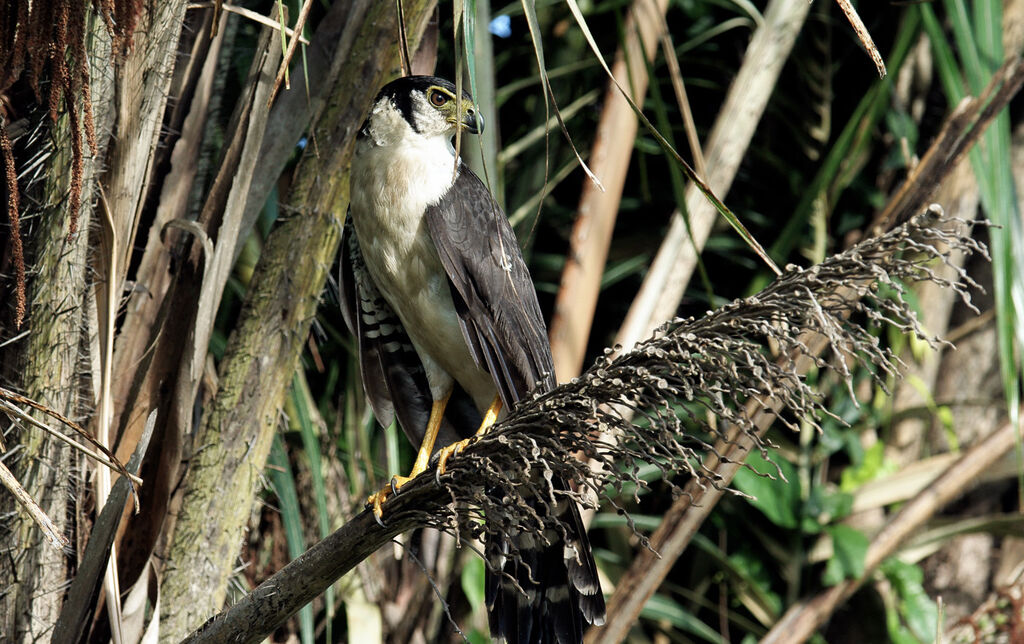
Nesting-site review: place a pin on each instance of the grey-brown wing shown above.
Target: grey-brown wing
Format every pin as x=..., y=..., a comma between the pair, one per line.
x=491, y=286
x=502, y=324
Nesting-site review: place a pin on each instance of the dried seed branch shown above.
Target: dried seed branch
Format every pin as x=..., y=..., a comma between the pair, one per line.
x=111, y=460
x=719, y=363
x=53, y=536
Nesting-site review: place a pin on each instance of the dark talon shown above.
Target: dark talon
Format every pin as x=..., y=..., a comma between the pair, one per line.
x=394, y=489
x=380, y=521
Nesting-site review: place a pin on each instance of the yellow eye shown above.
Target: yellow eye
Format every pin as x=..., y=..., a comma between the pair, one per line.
x=437, y=99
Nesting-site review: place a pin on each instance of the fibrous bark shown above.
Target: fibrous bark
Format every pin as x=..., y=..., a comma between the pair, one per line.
x=54, y=371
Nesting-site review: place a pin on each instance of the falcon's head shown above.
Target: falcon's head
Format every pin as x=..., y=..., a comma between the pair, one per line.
x=420, y=105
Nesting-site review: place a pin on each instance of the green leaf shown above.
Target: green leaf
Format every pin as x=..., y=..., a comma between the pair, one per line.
x=827, y=504
x=472, y=580
x=916, y=609
x=779, y=500
x=659, y=607
x=476, y=636
x=753, y=569
x=646, y=522
x=283, y=482
x=302, y=404
x=849, y=547
x=872, y=467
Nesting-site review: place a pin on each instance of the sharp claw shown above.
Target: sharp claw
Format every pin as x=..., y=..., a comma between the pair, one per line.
x=394, y=486
x=375, y=501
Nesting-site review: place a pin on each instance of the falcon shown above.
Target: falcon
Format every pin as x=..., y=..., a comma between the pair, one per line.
x=450, y=334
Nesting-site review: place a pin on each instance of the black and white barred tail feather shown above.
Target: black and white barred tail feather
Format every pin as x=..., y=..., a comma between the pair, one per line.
x=555, y=594
x=392, y=374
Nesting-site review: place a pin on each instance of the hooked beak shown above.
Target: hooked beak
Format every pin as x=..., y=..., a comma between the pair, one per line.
x=472, y=120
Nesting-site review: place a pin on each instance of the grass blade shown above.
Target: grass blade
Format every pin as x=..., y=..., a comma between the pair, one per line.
x=281, y=478
x=727, y=214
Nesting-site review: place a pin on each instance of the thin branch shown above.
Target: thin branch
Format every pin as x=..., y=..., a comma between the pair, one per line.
x=863, y=35
x=292, y=46
x=11, y=410
x=961, y=130
x=251, y=15
x=10, y=482
x=8, y=396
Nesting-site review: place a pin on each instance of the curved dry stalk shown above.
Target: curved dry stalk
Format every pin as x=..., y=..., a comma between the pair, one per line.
x=104, y=457
x=863, y=35
x=251, y=15
x=282, y=72
x=53, y=536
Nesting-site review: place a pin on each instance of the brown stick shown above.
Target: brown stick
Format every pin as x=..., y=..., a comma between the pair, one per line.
x=596, y=214
x=863, y=35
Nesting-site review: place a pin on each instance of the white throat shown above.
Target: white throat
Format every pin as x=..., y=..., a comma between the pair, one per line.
x=413, y=170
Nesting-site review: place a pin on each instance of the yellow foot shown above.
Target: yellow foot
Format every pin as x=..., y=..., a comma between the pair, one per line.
x=448, y=451
x=377, y=500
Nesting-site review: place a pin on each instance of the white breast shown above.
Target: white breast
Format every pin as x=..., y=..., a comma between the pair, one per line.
x=401, y=257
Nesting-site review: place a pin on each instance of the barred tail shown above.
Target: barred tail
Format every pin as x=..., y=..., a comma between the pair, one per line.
x=562, y=592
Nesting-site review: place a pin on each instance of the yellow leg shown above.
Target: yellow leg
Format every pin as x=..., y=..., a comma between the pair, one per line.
x=422, y=457
x=455, y=448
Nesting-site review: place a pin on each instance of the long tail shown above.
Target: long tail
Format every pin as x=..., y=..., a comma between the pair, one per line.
x=563, y=594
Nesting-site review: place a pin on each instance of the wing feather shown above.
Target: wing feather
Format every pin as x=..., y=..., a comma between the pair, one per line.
x=491, y=286
x=503, y=327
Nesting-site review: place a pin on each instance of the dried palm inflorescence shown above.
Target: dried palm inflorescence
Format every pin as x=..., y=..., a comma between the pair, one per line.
x=670, y=398
x=666, y=403
x=46, y=41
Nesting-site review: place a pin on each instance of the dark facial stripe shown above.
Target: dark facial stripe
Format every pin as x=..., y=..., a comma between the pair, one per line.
x=401, y=90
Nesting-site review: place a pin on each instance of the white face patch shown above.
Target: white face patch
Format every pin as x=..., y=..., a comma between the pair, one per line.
x=387, y=126
x=429, y=120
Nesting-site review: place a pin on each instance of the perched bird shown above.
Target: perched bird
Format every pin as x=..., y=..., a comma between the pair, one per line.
x=450, y=334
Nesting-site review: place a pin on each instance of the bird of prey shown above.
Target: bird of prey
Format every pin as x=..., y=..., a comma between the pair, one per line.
x=450, y=334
